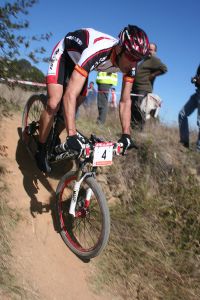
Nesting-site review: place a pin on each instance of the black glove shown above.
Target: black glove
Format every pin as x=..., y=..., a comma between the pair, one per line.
x=127, y=142
x=74, y=142
x=82, y=138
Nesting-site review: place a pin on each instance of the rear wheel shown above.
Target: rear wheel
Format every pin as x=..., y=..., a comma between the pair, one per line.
x=87, y=233
x=30, y=121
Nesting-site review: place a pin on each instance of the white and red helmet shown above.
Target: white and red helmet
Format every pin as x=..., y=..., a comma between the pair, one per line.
x=135, y=41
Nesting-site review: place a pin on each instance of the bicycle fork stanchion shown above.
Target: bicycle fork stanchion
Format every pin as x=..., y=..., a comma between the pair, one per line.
x=89, y=194
x=76, y=192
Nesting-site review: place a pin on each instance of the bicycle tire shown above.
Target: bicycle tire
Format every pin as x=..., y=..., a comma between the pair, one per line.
x=30, y=121
x=87, y=234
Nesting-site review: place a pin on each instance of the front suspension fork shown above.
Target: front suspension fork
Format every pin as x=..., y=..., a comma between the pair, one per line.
x=76, y=189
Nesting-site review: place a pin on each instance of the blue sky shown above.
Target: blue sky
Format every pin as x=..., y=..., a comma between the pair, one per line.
x=173, y=25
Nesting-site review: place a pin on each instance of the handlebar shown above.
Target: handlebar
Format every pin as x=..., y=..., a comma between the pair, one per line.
x=95, y=141
x=89, y=148
x=88, y=152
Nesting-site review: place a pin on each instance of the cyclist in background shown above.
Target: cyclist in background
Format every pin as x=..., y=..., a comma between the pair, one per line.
x=73, y=58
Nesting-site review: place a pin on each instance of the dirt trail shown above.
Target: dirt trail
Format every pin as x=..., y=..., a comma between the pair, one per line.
x=46, y=267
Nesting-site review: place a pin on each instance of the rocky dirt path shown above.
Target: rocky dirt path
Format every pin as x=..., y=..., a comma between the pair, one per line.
x=44, y=265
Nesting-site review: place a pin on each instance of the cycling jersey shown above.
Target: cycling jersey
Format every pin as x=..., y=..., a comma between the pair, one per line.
x=84, y=50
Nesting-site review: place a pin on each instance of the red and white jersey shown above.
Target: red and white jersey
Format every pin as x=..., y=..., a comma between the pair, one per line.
x=91, y=50
x=88, y=49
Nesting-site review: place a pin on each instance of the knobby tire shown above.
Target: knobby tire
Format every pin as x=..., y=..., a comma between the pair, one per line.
x=87, y=234
x=30, y=121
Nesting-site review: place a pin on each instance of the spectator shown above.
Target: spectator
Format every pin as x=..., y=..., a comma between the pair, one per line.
x=192, y=104
x=146, y=73
x=113, y=99
x=104, y=82
x=91, y=96
x=89, y=100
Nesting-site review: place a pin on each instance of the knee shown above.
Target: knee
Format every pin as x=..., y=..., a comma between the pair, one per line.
x=52, y=106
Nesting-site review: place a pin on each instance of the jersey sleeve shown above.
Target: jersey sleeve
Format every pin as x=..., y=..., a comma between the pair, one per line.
x=92, y=57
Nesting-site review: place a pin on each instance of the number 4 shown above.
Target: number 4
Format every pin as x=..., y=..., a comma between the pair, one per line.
x=104, y=155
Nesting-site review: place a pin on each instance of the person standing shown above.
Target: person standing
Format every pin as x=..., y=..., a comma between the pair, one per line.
x=89, y=100
x=91, y=96
x=113, y=98
x=192, y=104
x=146, y=73
x=104, y=82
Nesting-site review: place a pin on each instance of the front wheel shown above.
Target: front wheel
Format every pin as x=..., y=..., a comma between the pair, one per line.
x=86, y=233
x=30, y=121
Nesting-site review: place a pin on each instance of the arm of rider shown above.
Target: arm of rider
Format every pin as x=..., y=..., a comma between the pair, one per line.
x=125, y=117
x=125, y=107
x=70, y=97
x=70, y=101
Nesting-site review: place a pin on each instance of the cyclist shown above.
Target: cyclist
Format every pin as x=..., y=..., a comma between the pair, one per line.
x=72, y=59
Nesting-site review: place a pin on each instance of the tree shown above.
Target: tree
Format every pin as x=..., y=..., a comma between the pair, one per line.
x=10, y=26
x=23, y=70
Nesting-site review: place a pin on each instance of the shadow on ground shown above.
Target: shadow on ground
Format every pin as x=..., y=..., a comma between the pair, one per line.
x=32, y=175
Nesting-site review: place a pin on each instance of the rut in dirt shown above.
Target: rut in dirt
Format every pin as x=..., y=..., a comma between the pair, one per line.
x=45, y=268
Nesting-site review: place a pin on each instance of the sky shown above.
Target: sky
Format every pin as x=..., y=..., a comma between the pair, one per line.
x=174, y=25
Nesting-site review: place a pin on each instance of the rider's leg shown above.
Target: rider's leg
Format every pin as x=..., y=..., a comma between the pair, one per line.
x=54, y=97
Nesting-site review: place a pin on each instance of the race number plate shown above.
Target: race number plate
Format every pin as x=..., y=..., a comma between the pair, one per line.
x=103, y=154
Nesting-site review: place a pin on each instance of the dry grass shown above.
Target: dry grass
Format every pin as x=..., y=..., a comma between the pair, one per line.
x=8, y=220
x=86, y=123
x=154, y=247
x=7, y=107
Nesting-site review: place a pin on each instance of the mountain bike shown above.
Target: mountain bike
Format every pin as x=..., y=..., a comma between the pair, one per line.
x=81, y=208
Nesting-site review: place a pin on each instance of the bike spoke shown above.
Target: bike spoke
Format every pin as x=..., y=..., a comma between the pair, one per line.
x=85, y=230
